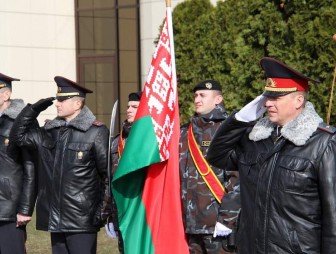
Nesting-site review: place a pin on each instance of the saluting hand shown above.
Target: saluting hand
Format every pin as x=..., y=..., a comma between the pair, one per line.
x=253, y=110
x=42, y=104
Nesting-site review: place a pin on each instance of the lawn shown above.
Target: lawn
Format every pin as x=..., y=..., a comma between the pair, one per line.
x=38, y=242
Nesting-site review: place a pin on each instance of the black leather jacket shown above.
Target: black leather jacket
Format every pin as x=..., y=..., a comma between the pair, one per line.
x=72, y=168
x=17, y=172
x=288, y=185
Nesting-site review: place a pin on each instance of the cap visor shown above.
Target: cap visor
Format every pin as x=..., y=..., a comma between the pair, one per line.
x=63, y=98
x=275, y=94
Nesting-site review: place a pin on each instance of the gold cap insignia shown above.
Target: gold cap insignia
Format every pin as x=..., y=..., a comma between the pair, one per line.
x=208, y=85
x=59, y=89
x=270, y=83
x=6, y=141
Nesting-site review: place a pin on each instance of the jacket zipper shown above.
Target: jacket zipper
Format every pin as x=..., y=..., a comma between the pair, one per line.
x=268, y=201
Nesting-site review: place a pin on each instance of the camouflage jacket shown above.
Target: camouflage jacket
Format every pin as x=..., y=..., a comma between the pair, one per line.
x=200, y=208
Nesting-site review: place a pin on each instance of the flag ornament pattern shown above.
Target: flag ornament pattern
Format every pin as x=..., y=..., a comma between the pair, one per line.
x=161, y=95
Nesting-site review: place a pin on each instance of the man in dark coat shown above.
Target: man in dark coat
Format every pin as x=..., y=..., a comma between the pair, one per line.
x=72, y=163
x=286, y=164
x=109, y=211
x=17, y=176
x=200, y=205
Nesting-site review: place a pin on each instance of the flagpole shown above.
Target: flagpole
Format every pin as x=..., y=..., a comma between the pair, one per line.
x=171, y=41
x=332, y=90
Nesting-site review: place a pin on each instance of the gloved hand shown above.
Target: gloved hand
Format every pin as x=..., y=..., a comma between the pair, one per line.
x=253, y=110
x=109, y=229
x=42, y=104
x=221, y=230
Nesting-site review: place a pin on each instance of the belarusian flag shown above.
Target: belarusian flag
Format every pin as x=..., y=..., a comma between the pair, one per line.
x=146, y=185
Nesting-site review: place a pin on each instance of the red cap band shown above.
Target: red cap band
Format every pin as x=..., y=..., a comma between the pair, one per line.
x=286, y=85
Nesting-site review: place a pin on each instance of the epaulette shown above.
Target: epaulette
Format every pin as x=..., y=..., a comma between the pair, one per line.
x=98, y=123
x=327, y=128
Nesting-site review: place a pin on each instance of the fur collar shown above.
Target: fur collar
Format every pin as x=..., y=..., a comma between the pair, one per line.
x=82, y=122
x=15, y=107
x=298, y=131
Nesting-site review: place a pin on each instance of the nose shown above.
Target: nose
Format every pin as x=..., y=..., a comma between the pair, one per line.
x=197, y=99
x=268, y=102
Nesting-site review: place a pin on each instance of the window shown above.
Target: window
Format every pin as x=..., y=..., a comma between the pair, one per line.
x=108, y=53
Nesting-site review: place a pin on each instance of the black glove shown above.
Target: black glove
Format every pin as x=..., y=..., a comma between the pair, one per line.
x=42, y=104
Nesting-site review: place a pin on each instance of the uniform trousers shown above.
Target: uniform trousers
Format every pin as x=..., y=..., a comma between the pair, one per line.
x=74, y=243
x=207, y=244
x=12, y=239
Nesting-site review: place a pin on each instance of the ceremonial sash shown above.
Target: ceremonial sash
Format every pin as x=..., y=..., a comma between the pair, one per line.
x=204, y=168
x=121, y=145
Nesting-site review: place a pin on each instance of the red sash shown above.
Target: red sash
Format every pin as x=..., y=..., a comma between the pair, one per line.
x=204, y=168
x=121, y=145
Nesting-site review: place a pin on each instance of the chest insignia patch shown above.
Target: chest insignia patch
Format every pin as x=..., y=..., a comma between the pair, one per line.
x=205, y=143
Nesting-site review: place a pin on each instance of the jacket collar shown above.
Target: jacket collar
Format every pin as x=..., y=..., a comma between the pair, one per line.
x=297, y=131
x=15, y=107
x=82, y=121
x=126, y=127
x=217, y=114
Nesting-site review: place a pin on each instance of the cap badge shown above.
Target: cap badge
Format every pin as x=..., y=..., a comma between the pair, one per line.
x=6, y=141
x=208, y=85
x=59, y=89
x=270, y=83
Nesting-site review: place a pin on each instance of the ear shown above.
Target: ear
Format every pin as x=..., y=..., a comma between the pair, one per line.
x=77, y=104
x=218, y=99
x=7, y=94
x=299, y=101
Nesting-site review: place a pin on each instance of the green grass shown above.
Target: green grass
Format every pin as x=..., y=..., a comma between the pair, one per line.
x=38, y=242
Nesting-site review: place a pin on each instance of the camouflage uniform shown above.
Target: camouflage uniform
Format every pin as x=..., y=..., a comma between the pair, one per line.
x=200, y=208
x=109, y=211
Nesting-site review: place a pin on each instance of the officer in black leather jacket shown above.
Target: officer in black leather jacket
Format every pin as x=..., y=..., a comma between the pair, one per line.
x=17, y=176
x=72, y=164
x=286, y=164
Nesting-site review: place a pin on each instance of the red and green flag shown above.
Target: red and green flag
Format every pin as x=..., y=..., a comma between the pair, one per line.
x=146, y=185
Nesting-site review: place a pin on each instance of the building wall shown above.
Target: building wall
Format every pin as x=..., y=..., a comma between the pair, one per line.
x=37, y=43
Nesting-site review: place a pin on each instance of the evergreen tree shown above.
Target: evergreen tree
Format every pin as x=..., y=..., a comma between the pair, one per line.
x=226, y=43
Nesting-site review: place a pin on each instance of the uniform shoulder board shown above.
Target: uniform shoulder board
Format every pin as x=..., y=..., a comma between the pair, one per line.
x=98, y=123
x=327, y=128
